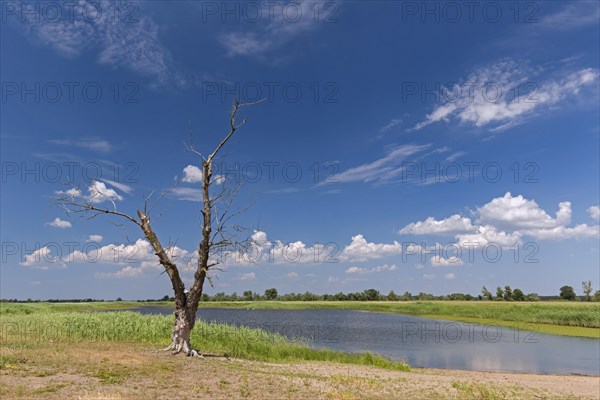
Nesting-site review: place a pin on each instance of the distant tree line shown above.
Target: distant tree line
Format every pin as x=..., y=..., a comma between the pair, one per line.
x=507, y=294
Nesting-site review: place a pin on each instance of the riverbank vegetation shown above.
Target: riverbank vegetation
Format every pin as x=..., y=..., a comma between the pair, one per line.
x=41, y=323
x=562, y=318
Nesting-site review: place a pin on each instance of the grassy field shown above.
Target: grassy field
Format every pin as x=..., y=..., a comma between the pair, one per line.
x=560, y=318
x=59, y=350
x=125, y=326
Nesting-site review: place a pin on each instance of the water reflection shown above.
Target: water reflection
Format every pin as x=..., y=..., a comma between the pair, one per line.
x=421, y=342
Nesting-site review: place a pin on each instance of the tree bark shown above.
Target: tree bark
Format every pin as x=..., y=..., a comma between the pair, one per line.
x=182, y=330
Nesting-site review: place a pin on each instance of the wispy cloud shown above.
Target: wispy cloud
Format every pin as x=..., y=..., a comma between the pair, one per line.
x=394, y=122
x=189, y=194
x=505, y=94
x=285, y=24
x=98, y=145
x=574, y=15
x=121, y=186
x=130, y=43
x=382, y=169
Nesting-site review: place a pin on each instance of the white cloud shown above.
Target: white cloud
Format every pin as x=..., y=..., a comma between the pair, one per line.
x=361, y=250
x=98, y=193
x=574, y=15
x=453, y=224
x=127, y=272
x=487, y=234
x=594, y=212
x=439, y=261
x=40, y=259
x=286, y=21
x=59, y=223
x=135, y=258
x=192, y=174
x=581, y=231
x=121, y=186
x=245, y=43
x=382, y=169
x=454, y=156
x=380, y=268
x=95, y=238
x=487, y=96
x=188, y=194
x=385, y=267
x=250, y=276
x=293, y=275
x=449, y=276
x=419, y=266
x=504, y=221
x=519, y=213
x=394, y=122
x=429, y=276
x=131, y=44
x=357, y=270
x=99, y=145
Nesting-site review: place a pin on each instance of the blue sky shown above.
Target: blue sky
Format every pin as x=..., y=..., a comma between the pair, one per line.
x=435, y=150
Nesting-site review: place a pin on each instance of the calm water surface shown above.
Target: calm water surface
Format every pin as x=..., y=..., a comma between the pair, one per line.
x=421, y=342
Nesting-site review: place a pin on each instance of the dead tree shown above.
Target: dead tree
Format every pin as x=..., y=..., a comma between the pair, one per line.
x=216, y=238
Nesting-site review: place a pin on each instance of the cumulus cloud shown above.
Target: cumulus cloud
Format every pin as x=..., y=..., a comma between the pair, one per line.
x=380, y=268
x=134, y=258
x=41, y=259
x=516, y=212
x=505, y=93
x=450, y=225
x=95, y=238
x=357, y=270
x=429, y=276
x=59, y=223
x=361, y=250
x=449, y=276
x=487, y=234
x=192, y=174
x=504, y=221
x=98, y=192
x=439, y=261
x=594, y=212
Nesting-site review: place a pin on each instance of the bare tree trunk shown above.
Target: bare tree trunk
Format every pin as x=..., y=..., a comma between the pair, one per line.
x=186, y=303
x=182, y=331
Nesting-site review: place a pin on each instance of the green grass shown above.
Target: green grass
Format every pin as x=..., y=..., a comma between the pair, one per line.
x=553, y=317
x=562, y=318
x=239, y=342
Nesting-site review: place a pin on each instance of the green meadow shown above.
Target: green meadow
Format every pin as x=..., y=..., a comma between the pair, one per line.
x=555, y=317
x=47, y=323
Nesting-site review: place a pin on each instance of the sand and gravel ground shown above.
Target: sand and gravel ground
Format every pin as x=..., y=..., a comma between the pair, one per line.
x=131, y=371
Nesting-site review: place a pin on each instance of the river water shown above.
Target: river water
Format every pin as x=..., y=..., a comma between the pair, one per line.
x=421, y=342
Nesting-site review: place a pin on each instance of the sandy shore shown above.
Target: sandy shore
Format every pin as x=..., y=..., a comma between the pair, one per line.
x=125, y=371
